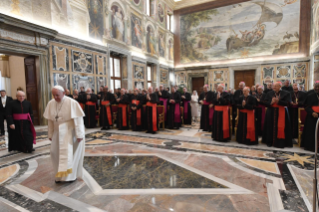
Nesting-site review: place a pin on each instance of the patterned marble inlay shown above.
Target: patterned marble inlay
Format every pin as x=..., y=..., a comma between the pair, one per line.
x=143, y=172
x=7, y=172
x=259, y=164
x=138, y=139
x=224, y=149
x=99, y=141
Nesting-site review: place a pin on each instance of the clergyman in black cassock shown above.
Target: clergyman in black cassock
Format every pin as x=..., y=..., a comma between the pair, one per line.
x=238, y=93
x=221, y=130
x=136, y=110
x=287, y=86
x=122, y=111
x=20, y=121
x=151, y=111
x=90, y=101
x=277, y=128
x=205, y=99
x=163, y=96
x=297, y=100
x=268, y=88
x=312, y=108
x=106, y=114
x=260, y=110
x=246, y=128
x=174, y=113
x=5, y=100
x=185, y=103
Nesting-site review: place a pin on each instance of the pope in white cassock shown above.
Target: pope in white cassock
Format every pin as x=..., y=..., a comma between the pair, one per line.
x=67, y=133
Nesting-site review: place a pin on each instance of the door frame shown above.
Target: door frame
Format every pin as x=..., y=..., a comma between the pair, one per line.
x=196, y=75
x=232, y=70
x=39, y=49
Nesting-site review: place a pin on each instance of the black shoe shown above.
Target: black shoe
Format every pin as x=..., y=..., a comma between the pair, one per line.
x=58, y=182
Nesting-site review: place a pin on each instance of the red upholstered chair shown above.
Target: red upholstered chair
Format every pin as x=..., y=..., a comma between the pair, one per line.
x=114, y=111
x=231, y=119
x=161, y=115
x=301, y=122
x=129, y=112
x=182, y=114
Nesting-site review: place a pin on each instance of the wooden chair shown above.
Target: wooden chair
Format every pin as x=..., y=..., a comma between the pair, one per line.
x=114, y=111
x=301, y=123
x=161, y=115
x=182, y=113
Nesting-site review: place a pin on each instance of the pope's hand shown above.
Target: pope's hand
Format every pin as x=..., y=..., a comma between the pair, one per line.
x=12, y=126
x=50, y=139
x=315, y=115
x=80, y=139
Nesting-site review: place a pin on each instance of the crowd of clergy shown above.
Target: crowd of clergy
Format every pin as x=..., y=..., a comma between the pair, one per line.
x=250, y=113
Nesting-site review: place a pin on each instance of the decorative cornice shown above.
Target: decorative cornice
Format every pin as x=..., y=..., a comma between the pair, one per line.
x=81, y=43
x=188, y=3
x=7, y=22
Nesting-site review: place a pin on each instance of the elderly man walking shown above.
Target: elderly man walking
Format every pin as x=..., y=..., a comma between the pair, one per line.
x=66, y=131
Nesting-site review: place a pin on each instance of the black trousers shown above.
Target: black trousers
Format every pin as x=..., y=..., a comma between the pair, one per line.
x=2, y=118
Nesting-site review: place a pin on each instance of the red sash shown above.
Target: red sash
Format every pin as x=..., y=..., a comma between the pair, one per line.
x=82, y=105
x=281, y=120
x=165, y=105
x=26, y=116
x=224, y=109
x=108, y=111
x=138, y=112
x=210, y=113
x=123, y=107
x=186, y=109
x=250, y=124
x=154, y=114
x=89, y=103
x=315, y=109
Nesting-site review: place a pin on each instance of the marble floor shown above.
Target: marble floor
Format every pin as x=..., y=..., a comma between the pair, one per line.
x=181, y=170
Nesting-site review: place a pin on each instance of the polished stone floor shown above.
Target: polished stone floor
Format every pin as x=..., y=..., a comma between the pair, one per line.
x=182, y=170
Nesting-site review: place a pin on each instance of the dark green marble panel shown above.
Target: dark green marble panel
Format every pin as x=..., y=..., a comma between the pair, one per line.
x=143, y=172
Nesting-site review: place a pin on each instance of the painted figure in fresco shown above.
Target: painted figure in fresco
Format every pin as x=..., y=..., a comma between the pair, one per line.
x=150, y=40
x=137, y=1
x=171, y=49
x=137, y=35
x=161, y=44
x=117, y=23
x=160, y=13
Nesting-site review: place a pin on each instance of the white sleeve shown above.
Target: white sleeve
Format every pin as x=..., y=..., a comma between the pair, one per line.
x=50, y=128
x=79, y=127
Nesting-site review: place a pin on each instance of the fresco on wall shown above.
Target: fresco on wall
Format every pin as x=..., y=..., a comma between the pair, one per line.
x=315, y=23
x=138, y=72
x=60, y=58
x=138, y=4
x=150, y=40
x=95, y=8
x=170, y=49
x=249, y=29
x=283, y=71
x=101, y=81
x=161, y=14
x=164, y=76
x=62, y=80
x=100, y=65
x=79, y=81
x=82, y=62
x=161, y=43
x=117, y=23
x=300, y=70
x=139, y=84
x=136, y=31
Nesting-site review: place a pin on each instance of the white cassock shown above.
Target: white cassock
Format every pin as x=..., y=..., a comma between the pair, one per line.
x=65, y=125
